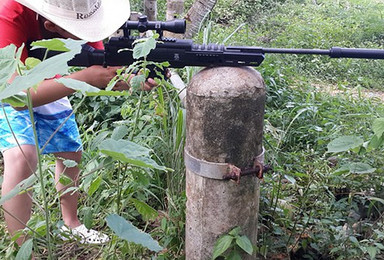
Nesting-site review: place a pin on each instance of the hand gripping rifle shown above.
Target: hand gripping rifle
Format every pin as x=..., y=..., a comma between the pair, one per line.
x=181, y=52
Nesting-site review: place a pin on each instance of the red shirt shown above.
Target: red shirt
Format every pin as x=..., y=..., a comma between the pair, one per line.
x=19, y=25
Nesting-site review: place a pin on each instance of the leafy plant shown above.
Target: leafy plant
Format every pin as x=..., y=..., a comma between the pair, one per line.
x=233, y=245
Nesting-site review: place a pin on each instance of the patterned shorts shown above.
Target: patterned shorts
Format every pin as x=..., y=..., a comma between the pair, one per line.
x=56, y=132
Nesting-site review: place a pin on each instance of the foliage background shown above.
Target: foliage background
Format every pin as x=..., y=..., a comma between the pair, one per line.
x=314, y=205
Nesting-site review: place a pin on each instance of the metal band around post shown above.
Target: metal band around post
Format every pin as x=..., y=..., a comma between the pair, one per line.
x=210, y=169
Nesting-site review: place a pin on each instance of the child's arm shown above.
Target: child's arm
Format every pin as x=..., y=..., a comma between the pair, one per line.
x=98, y=76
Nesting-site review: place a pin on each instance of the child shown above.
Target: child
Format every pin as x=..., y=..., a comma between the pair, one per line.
x=24, y=21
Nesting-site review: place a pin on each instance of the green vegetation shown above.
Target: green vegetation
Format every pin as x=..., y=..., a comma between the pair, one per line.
x=323, y=138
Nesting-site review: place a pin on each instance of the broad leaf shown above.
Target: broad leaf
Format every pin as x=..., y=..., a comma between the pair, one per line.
x=342, y=170
x=70, y=163
x=129, y=152
x=9, y=59
x=94, y=186
x=25, y=250
x=361, y=168
x=119, y=132
x=372, y=251
x=65, y=180
x=51, y=44
x=375, y=142
x=234, y=255
x=235, y=232
x=222, y=244
x=125, y=230
x=244, y=243
x=20, y=187
x=137, y=81
x=344, y=143
x=146, y=211
x=353, y=240
x=44, y=70
x=31, y=62
x=143, y=47
x=378, y=127
x=358, y=168
x=18, y=100
x=81, y=86
x=88, y=217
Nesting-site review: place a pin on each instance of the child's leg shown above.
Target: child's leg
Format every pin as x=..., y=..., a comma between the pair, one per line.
x=18, y=167
x=69, y=200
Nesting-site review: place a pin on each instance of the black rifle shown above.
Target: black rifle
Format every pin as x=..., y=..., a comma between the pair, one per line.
x=180, y=52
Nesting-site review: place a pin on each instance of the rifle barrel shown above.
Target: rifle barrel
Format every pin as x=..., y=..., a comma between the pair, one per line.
x=334, y=52
x=295, y=51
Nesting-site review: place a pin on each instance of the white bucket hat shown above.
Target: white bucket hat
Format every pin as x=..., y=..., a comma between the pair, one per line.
x=90, y=20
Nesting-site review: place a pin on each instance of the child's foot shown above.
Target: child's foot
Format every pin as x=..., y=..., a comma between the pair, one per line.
x=83, y=235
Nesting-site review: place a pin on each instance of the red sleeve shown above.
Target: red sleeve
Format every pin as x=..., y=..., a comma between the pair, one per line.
x=97, y=45
x=18, y=25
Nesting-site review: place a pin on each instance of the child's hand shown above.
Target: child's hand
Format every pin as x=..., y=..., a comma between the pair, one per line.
x=99, y=77
x=148, y=85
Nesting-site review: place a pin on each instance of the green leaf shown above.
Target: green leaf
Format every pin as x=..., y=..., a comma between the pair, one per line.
x=119, y=132
x=340, y=171
x=31, y=62
x=88, y=217
x=129, y=152
x=235, y=232
x=234, y=255
x=353, y=240
x=378, y=127
x=379, y=246
x=9, y=59
x=377, y=199
x=244, y=243
x=137, y=81
x=78, y=85
x=361, y=168
x=143, y=47
x=344, y=143
x=25, y=250
x=290, y=179
x=65, y=180
x=45, y=70
x=146, y=211
x=372, y=251
x=70, y=163
x=221, y=245
x=375, y=142
x=125, y=230
x=20, y=187
x=51, y=44
x=18, y=100
x=109, y=93
x=94, y=185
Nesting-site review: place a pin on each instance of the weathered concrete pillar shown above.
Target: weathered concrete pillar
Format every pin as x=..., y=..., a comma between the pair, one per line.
x=225, y=112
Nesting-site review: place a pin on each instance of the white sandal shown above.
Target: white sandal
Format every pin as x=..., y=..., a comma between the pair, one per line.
x=83, y=235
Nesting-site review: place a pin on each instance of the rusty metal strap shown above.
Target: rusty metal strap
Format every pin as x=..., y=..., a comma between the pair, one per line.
x=210, y=169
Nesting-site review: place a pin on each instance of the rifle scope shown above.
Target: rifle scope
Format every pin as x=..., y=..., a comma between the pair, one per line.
x=142, y=25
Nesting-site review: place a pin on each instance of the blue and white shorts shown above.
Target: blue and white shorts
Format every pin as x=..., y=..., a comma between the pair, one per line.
x=54, y=124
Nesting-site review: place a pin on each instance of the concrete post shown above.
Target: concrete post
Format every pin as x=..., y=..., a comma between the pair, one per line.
x=225, y=111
